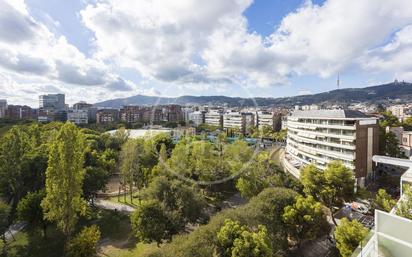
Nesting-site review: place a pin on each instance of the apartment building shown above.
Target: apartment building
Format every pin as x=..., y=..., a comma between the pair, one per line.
x=78, y=116
x=238, y=120
x=107, y=115
x=320, y=136
x=264, y=118
x=214, y=118
x=20, y=112
x=3, y=108
x=131, y=114
x=197, y=117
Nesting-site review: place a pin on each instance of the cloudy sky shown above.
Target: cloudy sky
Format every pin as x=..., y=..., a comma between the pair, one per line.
x=96, y=50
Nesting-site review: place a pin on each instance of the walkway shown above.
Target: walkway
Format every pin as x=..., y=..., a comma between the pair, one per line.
x=108, y=205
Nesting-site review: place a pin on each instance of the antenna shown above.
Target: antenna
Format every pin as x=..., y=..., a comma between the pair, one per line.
x=338, y=81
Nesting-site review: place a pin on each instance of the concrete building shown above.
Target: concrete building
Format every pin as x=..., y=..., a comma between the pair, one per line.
x=20, y=112
x=214, y=118
x=197, y=117
x=391, y=235
x=3, y=108
x=107, y=116
x=52, y=107
x=78, y=116
x=320, y=136
x=264, y=118
x=131, y=114
x=52, y=101
x=82, y=106
x=239, y=120
x=172, y=113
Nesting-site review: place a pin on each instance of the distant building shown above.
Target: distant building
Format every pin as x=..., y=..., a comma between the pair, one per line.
x=3, y=107
x=78, y=116
x=20, y=112
x=399, y=111
x=197, y=117
x=214, y=118
x=320, y=136
x=239, y=120
x=172, y=113
x=265, y=119
x=52, y=107
x=107, y=116
x=82, y=106
x=52, y=101
x=131, y=114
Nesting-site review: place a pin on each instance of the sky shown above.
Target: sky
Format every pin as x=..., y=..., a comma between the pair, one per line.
x=95, y=50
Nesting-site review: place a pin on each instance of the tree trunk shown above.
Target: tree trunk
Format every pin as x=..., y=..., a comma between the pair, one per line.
x=44, y=230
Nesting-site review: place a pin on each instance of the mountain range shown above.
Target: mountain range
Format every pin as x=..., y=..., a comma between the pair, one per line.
x=400, y=91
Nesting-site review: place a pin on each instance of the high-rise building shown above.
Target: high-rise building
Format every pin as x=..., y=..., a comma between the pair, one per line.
x=320, y=136
x=3, y=107
x=52, y=107
x=52, y=101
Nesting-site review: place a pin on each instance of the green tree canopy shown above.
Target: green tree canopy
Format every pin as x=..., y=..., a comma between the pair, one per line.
x=383, y=201
x=306, y=219
x=150, y=223
x=235, y=240
x=348, y=235
x=404, y=208
x=64, y=179
x=85, y=243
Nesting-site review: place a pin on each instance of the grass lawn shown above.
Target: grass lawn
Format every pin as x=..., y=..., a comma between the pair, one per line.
x=31, y=243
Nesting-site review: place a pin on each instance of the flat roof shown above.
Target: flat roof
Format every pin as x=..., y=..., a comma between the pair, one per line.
x=331, y=114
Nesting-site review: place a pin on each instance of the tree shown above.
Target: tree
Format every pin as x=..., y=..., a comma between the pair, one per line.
x=85, y=243
x=14, y=146
x=29, y=210
x=4, y=225
x=332, y=186
x=180, y=202
x=131, y=169
x=235, y=240
x=390, y=145
x=404, y=208
x=348, y=235
x=63, y=203
x=150, y=223
x=259, y=173
x=312, y=179
x=306, y=219
x=383, y=201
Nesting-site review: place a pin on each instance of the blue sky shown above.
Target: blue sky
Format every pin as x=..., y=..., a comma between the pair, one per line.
x=96, y=50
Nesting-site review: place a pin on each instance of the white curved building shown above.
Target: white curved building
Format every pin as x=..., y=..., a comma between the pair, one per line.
x=321, y=136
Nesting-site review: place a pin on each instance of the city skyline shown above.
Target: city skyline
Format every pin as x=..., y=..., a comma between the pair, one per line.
x=107, y=49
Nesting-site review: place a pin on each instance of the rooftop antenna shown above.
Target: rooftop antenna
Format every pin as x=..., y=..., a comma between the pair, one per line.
x=338, y=81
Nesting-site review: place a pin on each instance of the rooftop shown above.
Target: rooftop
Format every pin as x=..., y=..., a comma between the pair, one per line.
x=328, y=114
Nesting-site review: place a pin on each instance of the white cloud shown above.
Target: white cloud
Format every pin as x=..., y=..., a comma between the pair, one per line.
x=29, y=48
x=209, y=42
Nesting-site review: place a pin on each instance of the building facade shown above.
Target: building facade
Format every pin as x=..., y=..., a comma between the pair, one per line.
x=320, y=136
x=214, y=118
x=265, y=119
x=78, y=116
x=107, y=116
x=238, y=120
x=197, y=117
x=3, y=108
